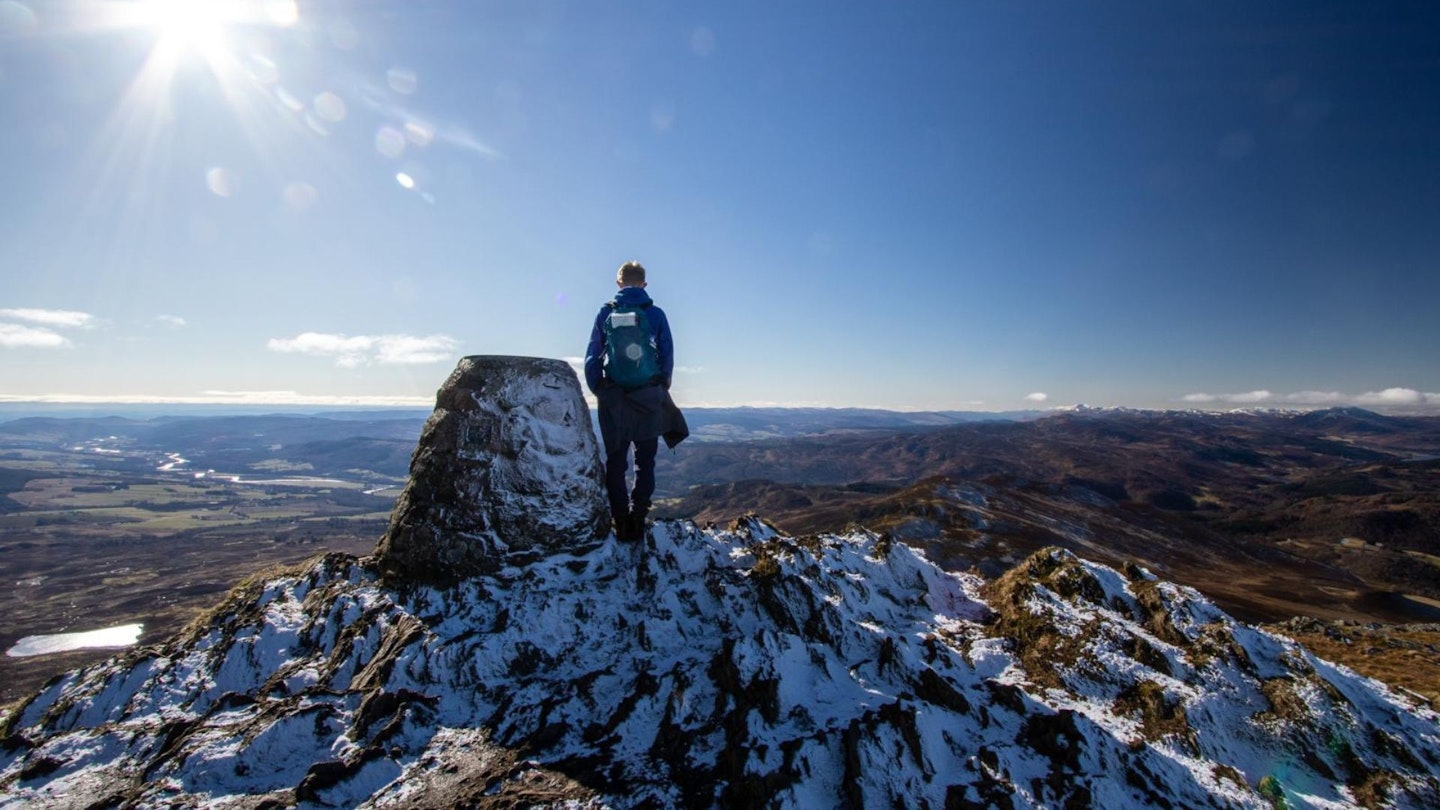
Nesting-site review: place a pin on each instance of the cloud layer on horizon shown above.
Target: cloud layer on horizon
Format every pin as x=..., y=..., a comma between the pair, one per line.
x=1392, y=397
x=363, y=350
x=217, y=397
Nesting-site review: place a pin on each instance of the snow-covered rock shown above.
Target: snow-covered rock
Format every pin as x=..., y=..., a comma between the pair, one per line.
x=507, y=467
x=722, y=668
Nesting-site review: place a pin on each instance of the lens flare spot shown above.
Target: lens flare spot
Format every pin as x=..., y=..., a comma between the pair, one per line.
x=330, y=107
x=288, y=100
x=405, y=180
x=300, y=196
x=419, y=133
x=390, y=142
x=263, y=69
x=402, y=80
x=220, y=182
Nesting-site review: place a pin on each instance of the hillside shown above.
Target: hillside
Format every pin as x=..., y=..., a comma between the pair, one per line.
x=1332, y=514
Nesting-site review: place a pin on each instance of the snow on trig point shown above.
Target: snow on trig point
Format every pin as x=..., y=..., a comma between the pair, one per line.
x=507, y=469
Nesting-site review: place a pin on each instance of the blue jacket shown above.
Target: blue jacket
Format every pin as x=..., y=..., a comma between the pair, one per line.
x=659, y=329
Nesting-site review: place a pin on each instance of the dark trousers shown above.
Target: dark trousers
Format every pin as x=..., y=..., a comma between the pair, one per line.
x=616, y=466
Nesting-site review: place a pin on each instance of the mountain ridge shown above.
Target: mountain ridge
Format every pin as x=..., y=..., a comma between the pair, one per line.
x=720, y=668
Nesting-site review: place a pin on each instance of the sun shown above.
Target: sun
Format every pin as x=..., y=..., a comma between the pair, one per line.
x=199, y=62
x=203, y=27
x=190, y=26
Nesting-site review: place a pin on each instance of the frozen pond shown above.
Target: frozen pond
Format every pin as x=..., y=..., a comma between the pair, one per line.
x=110, y=637
x=288, y=481
x=176, y=462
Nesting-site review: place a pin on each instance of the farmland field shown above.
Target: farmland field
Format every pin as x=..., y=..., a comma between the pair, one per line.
x=84, y=547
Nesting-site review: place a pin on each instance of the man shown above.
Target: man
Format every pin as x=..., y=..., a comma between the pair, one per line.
x=628, y=367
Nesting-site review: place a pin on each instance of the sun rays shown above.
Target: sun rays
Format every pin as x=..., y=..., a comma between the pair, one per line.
x=199, y=28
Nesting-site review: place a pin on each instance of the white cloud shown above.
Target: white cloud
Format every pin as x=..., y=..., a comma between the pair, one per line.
x=361, y=350
x=1038, y=396
x=1395, y=396
x=59, y=318
x=172, y=321
x=407, y=349
x=1392, y=397
x=15, y=336
x=1246, y=398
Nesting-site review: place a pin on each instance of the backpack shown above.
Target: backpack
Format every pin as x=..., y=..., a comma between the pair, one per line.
x=631, y=357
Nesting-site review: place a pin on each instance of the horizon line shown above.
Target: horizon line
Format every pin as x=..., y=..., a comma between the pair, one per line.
x=288, y=399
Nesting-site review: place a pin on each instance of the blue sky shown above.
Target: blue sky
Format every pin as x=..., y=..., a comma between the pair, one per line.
x=937, y=205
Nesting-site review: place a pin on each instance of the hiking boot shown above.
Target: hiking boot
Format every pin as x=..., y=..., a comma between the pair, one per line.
x=636, y=524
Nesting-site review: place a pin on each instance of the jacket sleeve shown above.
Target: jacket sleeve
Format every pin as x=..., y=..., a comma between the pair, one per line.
x=595, y=354
x=665, y=347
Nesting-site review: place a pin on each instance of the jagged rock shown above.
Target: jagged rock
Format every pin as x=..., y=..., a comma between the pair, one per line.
x=507, y=469
x=736, y=668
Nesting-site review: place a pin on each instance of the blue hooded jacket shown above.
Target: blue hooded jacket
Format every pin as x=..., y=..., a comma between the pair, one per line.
x=659, y=329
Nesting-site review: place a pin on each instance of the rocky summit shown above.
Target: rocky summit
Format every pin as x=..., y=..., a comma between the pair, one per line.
x=704, y=667
x=506, y=465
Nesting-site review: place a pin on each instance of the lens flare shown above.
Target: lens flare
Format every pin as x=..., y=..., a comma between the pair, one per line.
x=402, y=80
x=220, y=182
x=330, y=107
x=301, y=196
x=390, y=142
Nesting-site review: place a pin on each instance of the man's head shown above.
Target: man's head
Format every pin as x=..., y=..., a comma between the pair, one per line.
x=631, y=274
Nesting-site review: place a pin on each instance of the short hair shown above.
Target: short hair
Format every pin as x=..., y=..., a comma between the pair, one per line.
x=631, y=274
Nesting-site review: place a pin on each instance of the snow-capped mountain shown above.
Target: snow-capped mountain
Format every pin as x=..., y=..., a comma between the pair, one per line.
x=701, y=668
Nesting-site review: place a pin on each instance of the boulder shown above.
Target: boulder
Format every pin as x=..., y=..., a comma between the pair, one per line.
x=507, y=469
